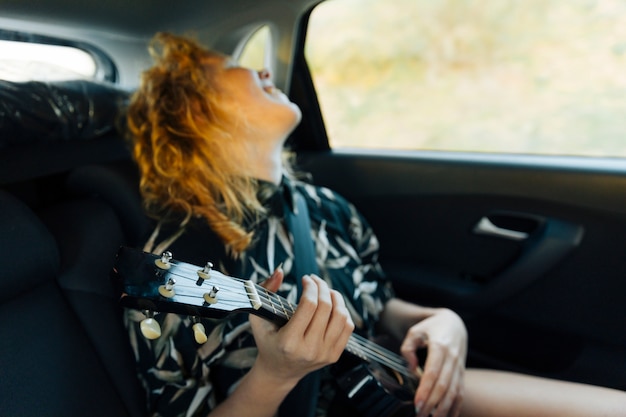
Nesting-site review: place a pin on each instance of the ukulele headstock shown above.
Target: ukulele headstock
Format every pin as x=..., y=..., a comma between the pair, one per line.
x=158, y=283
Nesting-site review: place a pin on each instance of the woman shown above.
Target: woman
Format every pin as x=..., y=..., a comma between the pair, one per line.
x=208, y=137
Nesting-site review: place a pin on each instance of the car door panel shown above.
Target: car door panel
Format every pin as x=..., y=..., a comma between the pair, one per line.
x=527, y=249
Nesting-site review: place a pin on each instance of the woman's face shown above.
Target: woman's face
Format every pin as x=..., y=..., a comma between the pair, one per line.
x=252, y=94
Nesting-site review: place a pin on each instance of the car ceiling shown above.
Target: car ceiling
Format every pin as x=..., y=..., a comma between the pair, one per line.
x=122, y=28
x=139, y=18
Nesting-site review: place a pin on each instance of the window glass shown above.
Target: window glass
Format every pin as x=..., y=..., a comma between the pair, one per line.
x=254, y=51
x=519, y=76
x=24, y=61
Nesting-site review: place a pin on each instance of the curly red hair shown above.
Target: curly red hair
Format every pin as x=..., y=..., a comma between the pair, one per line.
x=181, y=142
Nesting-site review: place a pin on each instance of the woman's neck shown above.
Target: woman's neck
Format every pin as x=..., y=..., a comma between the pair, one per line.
x=266, y=160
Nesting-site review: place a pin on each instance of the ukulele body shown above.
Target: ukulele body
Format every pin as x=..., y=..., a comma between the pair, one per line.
x=369, y=389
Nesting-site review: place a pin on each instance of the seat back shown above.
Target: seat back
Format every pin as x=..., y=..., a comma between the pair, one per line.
x=63, y=351
x=63, y=347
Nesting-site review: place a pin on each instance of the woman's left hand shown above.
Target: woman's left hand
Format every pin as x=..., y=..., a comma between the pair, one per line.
x=440, y=392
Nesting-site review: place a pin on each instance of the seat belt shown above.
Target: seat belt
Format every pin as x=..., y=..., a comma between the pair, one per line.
x=302, y=400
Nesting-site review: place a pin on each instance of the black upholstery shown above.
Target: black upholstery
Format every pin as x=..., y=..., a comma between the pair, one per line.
x=28, y=247
x=88, y=243
x=48, y=127
x=63, y=350
x=117, y=184
x=63, y=347
x=72, y=110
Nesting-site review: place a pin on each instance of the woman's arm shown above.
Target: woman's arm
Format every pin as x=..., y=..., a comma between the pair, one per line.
x=258, y=395
x=441, y=331
x=398, y=317
x=314, y=337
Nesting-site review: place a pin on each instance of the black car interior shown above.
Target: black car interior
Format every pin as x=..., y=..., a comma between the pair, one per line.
x=550, y=305
x=62, y=221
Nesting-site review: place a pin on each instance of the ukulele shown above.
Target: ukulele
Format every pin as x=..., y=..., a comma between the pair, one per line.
x=375, y=381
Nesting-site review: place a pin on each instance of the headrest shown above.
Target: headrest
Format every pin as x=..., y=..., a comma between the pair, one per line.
x=29, y=251
x=48, y=128
x=37, y=111
x=118, y=185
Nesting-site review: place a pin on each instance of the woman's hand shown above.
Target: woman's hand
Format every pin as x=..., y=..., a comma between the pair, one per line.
x=440, y=392
x=314, y=337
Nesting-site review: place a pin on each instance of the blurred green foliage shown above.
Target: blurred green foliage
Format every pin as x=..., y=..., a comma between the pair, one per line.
x=520, y=76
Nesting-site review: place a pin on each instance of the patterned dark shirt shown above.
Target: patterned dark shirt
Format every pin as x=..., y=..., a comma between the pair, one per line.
x=183, y=378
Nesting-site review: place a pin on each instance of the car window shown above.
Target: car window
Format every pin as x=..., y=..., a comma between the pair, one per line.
x=254, y=52
x=514, y=76
x=47, y=61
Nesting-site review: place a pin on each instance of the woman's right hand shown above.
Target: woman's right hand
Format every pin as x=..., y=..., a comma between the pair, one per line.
x=315, y=336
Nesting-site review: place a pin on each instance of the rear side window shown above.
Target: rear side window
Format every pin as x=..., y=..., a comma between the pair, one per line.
x=35, y=58
x=510, y=76
x=255, y=52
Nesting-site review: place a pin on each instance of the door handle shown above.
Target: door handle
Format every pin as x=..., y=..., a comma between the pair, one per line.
x=486, y=227
x=545, y=241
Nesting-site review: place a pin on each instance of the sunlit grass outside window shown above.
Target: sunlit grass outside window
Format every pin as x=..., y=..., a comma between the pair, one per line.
x=514, y=76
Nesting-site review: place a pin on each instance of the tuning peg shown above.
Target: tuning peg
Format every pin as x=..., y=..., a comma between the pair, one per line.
x=211, y=297
x=167, y=290
x=199, y=333
x=164, y=261
x=204, y=273
x=150, y=328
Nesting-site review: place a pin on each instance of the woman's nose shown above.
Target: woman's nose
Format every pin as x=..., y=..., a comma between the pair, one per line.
x=265, y=74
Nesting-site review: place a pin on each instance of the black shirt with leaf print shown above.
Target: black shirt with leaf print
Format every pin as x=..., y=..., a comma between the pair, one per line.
x=184, y=378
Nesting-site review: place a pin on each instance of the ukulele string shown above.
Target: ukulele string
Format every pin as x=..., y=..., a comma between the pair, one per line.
x=193, y=288
x=233, y=285
x=229, y=293
x=227, y=285
x=357, y=344
x=381, y=355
